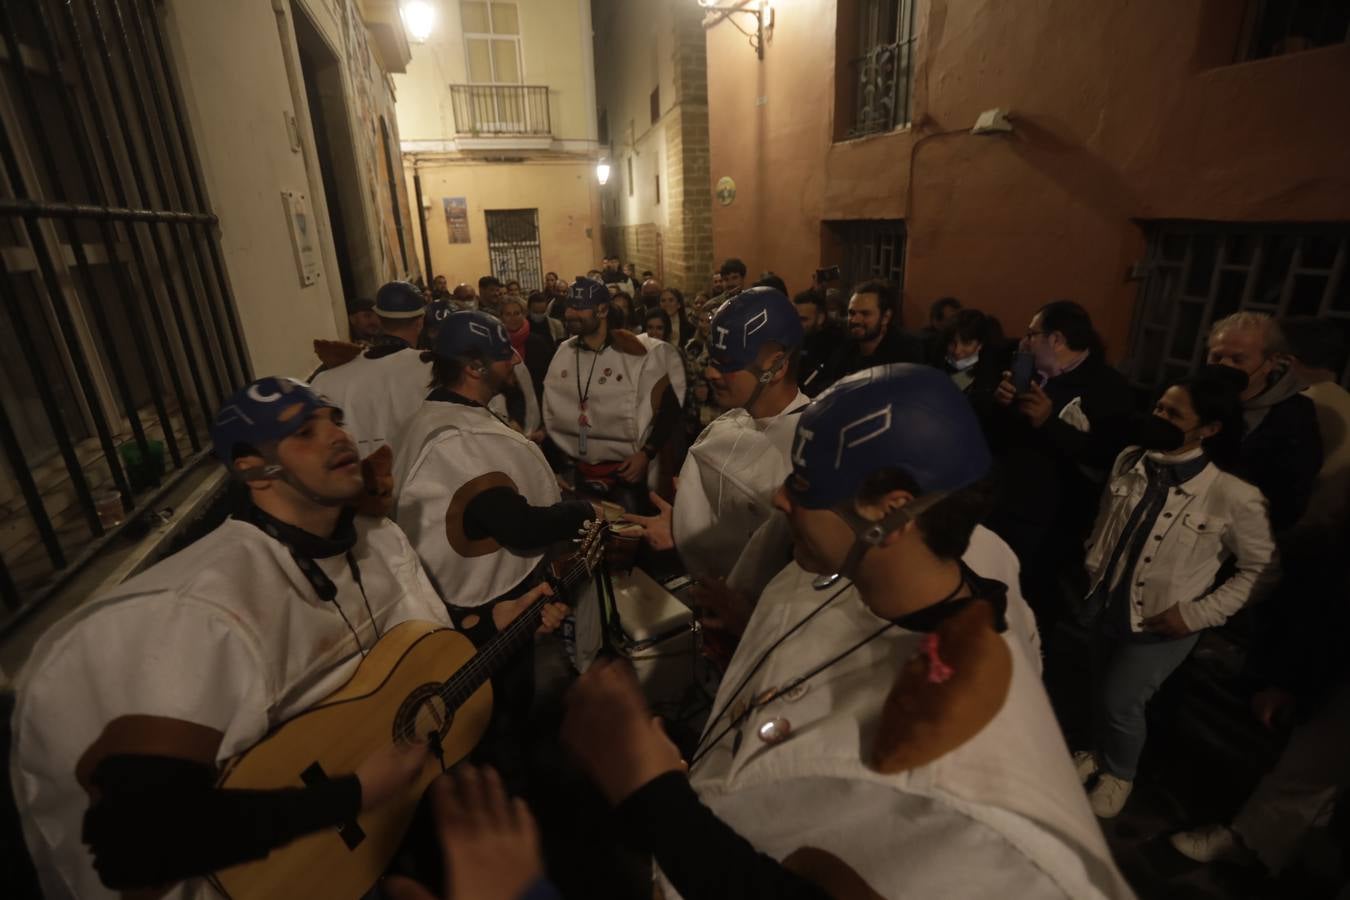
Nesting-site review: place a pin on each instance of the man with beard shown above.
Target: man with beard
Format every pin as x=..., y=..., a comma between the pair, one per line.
x=363, y=325
x=874, y=335
x=129, y=706
x=490, y=293
x=480, y=504
x=821, y=338
x=457, y=452
x=728, y=281
x=611, y=401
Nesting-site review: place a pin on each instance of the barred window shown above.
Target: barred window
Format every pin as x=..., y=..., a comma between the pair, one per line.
x=1198, y=273
x=118, y=334
x=883, y=71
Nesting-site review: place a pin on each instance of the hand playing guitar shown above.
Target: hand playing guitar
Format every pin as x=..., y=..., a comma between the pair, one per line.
x=488, y=840
x=504, y=613
x=388, y=772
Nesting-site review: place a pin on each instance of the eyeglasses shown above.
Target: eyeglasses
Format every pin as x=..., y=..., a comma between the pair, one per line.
x=1032, y=334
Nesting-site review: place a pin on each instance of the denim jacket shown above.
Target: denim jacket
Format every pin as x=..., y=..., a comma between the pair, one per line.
x=1204, y=522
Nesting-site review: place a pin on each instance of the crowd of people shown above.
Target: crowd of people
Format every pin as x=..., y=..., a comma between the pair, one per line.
x=882, y=525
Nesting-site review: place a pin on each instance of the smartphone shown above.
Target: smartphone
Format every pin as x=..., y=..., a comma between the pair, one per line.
x=830, y=274
x=1023, y=367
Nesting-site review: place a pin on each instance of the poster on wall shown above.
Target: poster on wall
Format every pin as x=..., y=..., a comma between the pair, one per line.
x=457, y=219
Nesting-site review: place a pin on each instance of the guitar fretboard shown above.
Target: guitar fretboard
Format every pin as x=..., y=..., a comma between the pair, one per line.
x=494, y=654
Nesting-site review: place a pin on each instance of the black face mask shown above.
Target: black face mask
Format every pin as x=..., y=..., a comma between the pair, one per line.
x=1153, y=433
x=1237, y=379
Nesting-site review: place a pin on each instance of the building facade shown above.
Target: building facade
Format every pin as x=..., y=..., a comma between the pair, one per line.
x=652, y=90
x=498, y=119
x=1167, y=162
x=192, y=192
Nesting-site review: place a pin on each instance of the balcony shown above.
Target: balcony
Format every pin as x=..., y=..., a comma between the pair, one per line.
x=501, y=111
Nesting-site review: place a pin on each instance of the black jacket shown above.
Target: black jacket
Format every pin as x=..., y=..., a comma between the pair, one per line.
x=1047, y=500
x=817, y=350
x=1282, y=457
x=895, y=347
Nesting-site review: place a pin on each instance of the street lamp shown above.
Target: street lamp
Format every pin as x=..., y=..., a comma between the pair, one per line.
x=419, y=17
x=602, y=172
x=760, y=9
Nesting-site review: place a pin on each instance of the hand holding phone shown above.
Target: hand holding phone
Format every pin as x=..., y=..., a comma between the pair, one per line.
x=1023, y=368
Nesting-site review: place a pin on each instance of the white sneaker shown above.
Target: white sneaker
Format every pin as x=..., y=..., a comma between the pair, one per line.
x=1085, y=763
x=1108, y=798
x=1213, y=843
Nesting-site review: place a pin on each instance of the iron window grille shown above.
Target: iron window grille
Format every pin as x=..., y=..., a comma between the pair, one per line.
x=513, y=246
x=884, y=70
x=118, y=333
x=872, y=248
x=1198, y=273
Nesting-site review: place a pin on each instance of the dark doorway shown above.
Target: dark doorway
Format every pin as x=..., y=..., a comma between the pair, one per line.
x=322, y=74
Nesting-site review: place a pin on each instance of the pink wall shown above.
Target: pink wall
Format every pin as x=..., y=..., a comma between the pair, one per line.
x=1123, y=111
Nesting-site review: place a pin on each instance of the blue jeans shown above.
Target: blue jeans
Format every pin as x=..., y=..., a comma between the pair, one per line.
x=1127, y=672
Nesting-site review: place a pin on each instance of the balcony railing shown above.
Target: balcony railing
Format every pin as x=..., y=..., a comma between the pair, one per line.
x=501, y=109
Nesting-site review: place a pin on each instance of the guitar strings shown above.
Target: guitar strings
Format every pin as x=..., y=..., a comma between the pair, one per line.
x=453, y=691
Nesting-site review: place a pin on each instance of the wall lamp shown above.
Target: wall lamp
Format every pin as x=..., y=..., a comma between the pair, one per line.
x=602, y=172
x=760, y=9
x=419, y=17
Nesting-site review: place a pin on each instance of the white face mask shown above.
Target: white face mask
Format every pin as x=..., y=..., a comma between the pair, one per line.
x=961, y=365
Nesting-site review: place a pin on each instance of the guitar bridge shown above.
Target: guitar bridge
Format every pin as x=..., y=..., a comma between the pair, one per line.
x=350, y=831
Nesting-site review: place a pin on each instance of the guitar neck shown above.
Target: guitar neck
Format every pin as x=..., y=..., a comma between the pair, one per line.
x=493, y=655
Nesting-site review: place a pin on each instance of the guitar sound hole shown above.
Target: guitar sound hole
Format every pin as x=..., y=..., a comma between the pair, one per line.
x=423, y=712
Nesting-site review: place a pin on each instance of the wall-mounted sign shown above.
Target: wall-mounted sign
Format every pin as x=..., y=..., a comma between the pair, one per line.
x=304, y=239
x=456, y=219
x=726, y=190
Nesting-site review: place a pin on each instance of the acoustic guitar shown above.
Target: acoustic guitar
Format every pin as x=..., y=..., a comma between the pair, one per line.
x=420, y=681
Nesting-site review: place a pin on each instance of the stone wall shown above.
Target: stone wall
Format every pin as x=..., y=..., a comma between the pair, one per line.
x=680, y=250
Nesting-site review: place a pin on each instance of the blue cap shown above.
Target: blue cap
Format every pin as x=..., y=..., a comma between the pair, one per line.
x=748, y=321
x=437, y=312
x=266, y=411
x=400, y=300
x=587, y=294
x=472, y=332
x=903, y=416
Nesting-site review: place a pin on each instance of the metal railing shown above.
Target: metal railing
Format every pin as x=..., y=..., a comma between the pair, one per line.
x=124, y=333
x=882, y=88
x=501, y=109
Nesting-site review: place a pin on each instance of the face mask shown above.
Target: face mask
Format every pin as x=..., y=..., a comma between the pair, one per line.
x=1158, y=435
x=961, y=365
x=1170, y=456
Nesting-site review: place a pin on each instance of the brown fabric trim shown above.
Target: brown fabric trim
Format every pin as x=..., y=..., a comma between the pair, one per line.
x=625, y=341
x=658, y=391
x=149, y=736
x=336, y=353
x=830, y=873
x=922, y=719
x=454, y=514
x=377, y=470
